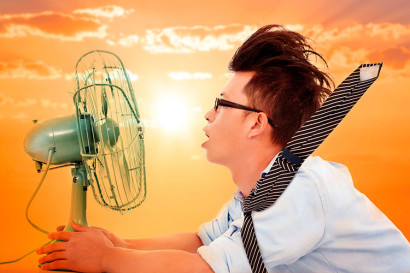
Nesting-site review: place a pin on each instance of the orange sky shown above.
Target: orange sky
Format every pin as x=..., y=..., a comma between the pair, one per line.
x=178, y=52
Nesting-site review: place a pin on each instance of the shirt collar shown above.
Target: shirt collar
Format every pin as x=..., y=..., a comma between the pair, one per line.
x=238, y=195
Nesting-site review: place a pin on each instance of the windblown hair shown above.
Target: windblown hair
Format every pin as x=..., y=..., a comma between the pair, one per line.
x=286, y=86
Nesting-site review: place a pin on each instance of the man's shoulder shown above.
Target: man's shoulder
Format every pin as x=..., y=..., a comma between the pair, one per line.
x=318, y=162
x=324, y=177
x=315, y=167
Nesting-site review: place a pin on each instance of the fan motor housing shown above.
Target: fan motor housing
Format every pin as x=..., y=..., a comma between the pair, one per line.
x=60, y=134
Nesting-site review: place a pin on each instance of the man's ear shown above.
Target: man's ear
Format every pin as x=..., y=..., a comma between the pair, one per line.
x=259, y=124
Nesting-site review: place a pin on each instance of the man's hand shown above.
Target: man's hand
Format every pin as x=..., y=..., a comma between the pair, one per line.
x=83, y=250
x=115, y=240
x=92, y=249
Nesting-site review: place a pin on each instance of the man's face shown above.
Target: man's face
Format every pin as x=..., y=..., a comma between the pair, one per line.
x=225, y=129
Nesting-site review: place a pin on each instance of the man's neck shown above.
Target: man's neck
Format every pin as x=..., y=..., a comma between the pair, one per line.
x=247, y=171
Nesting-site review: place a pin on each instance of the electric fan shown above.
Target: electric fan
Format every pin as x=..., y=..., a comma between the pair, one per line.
x=103, y=141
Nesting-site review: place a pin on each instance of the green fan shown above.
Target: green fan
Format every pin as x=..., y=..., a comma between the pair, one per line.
x=103, y=141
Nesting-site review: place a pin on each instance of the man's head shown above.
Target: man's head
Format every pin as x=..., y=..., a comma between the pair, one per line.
x=273, y=75
x=285, y=85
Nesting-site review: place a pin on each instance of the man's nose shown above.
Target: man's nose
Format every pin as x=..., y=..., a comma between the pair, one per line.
x=208, y=115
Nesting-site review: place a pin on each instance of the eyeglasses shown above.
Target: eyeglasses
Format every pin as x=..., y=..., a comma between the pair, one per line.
x=227, y=103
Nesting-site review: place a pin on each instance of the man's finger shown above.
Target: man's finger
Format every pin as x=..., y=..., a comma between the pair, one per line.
x=99, y=228
x=58, y=246
x=61, y=235
x=79, y=227
x=58, y=255
x=60, y=228
x=59, y=264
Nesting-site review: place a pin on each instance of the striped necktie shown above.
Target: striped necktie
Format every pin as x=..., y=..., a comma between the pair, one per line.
x=269, y=188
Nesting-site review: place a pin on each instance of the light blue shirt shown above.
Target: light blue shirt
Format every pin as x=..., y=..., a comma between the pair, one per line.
x=321, y=223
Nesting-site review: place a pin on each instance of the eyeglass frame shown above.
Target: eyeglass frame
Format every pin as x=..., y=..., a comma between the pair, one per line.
x=227, y=103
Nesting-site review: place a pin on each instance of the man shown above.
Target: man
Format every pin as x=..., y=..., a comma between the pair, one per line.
x=319, y=224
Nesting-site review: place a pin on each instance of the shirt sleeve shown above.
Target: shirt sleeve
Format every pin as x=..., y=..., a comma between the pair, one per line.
x=286, y=231
x=212, y=230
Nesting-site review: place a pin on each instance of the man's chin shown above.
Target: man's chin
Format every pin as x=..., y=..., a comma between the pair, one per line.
x=208, y=156
x=213, y=159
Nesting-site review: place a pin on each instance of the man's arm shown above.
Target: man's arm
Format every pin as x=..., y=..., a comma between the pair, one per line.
x=119, y=260
x=188, y=241
x=89, y=250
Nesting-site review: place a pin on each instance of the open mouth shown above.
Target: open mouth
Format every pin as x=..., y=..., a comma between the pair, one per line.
x=203, y=144
x=204, y=129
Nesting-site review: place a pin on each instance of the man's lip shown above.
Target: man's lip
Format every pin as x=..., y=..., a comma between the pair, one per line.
x=204, y=143
x=204, y=129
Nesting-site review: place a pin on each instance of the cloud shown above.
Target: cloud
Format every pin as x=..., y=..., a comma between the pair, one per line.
x=181, y=75
x=30, y=70
x=346, y=48
x=54, y=25
x=393, y=75
x=361, y=43
x=343, y=48
x=369, y=36
x=69, y=76
x=6, y=100
x=128, y=41
x=320, y=35
x=344, y=57
x=132, y=76
x=26, y=103
x=75, y=26
x=109, y=11
x=50, y=104
x=192, y=39
x=295, y=27
x=147, y=123
x=195, y=38
x=387, y=31
x=397, y=57
x=20, y=116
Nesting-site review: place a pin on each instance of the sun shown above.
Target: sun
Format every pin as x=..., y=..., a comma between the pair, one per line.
x=172, y=113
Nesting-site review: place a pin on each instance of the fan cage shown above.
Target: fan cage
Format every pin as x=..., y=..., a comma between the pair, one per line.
x=111, y=134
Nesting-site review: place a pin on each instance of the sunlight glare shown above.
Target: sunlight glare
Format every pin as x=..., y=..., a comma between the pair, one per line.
x=172, y=114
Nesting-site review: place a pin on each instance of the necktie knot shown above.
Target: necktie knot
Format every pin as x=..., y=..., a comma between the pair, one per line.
x=247, y=202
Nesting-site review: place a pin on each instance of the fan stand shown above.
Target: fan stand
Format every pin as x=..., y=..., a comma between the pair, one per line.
x=78, y=201
x=78, y=197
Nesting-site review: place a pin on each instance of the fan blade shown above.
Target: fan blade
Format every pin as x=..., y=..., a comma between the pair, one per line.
x=125, y=174
x=122, y=176
x=104, y=103
x=109, y=131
